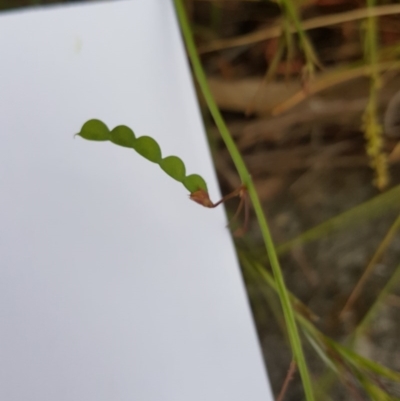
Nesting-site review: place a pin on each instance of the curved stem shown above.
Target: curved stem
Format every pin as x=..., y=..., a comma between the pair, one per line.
x=247, y=181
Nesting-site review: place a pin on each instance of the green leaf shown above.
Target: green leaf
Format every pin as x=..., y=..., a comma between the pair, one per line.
x=123, y=136
x=95, y=130
x=194, y=182
x=148, y=148
x=174, y=167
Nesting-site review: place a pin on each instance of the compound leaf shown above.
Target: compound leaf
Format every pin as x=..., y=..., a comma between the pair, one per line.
x=96, y=130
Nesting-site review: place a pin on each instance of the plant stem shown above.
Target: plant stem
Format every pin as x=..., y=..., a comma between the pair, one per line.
x=247, y=181
x=373, y=130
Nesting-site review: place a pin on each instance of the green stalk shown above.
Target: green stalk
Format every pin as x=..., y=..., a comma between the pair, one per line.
x=247, y=181
x=373, y=130
x=290, y=11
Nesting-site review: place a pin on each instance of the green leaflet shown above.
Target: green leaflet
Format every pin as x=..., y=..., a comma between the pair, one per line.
x=148, y=148
x=174, y=167
x=96, y=130
x=194, y=182
x=123, y=136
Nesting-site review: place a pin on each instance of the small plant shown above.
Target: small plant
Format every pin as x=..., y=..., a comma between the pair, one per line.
x=96, y=130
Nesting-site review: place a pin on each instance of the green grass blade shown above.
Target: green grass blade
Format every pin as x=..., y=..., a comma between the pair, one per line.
x=393, y=281
x=367, y=210
x=246, y=180
x=363, y=363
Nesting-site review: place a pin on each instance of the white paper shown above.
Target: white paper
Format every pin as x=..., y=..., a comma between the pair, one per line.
x=113, y=284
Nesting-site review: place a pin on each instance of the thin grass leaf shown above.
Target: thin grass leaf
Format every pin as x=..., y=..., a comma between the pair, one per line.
x=368, y=210
x=393, y=281
x=363, y=363
x=247, y=182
